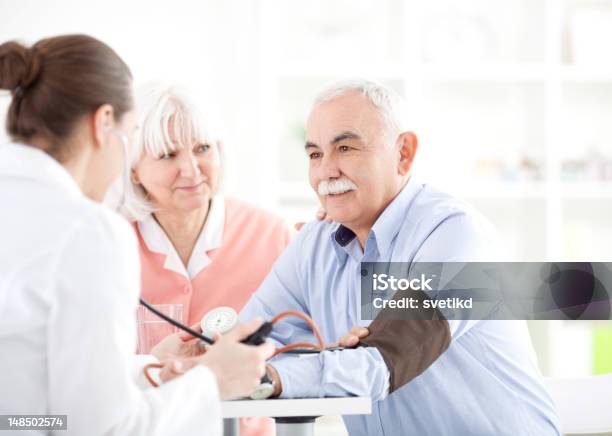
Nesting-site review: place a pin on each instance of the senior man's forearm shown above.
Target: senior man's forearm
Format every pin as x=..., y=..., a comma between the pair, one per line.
x=328, y=375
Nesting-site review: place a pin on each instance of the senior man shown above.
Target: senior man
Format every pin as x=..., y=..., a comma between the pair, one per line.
x=432, y=377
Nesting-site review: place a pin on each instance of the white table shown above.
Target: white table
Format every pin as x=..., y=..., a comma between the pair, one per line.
x=293, y=417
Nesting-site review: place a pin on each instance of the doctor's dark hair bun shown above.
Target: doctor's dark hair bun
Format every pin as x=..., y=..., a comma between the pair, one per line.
x=56, y=82
x=19, y=66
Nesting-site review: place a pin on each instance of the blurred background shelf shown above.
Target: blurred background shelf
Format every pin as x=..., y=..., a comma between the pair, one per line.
x=427, y=72
x=584, y=74
x=588, y=190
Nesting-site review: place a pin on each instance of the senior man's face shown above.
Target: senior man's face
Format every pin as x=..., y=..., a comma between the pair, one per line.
x=355, y=167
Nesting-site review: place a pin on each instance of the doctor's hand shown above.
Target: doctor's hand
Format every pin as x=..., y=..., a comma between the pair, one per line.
x=178, y=345
x=238, y=367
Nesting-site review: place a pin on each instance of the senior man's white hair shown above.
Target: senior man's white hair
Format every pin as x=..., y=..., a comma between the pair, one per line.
x=391, y=106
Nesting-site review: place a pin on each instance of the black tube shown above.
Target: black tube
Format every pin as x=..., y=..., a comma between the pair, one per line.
x=177, y=324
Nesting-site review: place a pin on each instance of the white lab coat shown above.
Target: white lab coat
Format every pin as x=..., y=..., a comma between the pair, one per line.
x=69, y=284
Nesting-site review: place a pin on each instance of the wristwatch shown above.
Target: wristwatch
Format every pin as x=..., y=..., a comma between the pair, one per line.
x=266, y=387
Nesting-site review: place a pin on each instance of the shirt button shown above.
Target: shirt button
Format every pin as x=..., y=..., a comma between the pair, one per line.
x=186, y=289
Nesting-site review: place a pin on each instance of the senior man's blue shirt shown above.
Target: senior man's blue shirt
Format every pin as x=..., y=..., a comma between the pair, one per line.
x=487, y=381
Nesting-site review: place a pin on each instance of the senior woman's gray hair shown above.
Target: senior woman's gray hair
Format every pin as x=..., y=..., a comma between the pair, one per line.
x=390, y=105
x=168, y=119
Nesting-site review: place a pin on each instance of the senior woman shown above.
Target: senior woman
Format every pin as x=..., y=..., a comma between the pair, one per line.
x=198, y=248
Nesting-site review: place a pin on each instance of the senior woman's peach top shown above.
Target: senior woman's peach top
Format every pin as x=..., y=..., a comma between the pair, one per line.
x=233, y=254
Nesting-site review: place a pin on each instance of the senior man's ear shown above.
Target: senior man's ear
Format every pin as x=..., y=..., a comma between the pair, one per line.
x=408, y=144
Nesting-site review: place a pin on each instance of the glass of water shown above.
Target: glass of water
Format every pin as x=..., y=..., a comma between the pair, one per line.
x=152, y=329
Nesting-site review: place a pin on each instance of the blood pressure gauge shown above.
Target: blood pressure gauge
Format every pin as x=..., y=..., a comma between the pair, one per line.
x=220, y=320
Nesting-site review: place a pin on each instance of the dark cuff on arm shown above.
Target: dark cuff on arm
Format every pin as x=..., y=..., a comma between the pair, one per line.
x=408, y=347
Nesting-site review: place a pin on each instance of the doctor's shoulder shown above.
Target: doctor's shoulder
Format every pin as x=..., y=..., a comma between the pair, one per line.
x=105, y=231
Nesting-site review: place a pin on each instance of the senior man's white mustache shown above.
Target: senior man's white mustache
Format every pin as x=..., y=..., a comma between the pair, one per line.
x=336, y=186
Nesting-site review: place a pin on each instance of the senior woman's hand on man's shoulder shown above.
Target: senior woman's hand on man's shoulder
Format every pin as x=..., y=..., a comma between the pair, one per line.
x=320, y=215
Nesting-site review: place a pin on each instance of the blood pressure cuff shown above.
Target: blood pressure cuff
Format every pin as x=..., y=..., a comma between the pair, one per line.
x=408, y=346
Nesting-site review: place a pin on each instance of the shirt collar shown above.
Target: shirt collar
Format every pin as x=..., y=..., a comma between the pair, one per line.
x=29, y=162
x=389, y=223
x=384, y=230
x=210, y=238
x=341, y=237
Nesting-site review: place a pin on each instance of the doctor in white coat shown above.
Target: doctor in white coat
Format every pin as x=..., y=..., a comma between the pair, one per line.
x=69, y=267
